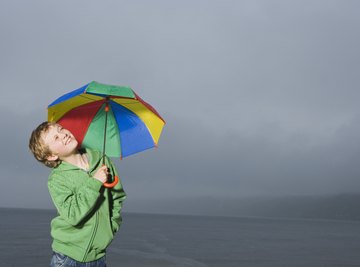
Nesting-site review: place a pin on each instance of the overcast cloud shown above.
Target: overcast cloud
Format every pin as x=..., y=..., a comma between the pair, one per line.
x=260, y=97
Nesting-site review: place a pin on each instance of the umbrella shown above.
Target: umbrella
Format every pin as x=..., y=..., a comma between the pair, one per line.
x=112, y=119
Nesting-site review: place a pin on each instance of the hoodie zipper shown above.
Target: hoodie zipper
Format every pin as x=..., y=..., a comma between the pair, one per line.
x=95, y=227
x=92, y=236
x=96, y=219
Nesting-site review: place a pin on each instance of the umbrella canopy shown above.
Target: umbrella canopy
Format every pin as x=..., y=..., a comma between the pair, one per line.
x=98, y=112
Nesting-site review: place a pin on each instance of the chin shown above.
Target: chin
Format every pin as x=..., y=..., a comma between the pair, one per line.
x=75, y=144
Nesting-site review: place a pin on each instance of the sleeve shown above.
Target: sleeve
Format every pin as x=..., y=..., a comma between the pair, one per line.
x=118, y=196
x=72, y=206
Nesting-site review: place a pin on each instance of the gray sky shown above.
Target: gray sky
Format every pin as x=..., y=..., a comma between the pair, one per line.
x=260, y=97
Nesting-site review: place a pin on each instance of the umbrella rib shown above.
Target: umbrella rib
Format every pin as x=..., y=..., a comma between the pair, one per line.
x=127, y=103
x=88, y=97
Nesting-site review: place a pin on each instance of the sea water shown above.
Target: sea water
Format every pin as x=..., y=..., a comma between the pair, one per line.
x=174, y=240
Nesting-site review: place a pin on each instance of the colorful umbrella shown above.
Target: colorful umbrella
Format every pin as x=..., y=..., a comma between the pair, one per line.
x=108, y=118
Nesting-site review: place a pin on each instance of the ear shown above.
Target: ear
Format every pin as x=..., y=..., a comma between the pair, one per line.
x=52, y=158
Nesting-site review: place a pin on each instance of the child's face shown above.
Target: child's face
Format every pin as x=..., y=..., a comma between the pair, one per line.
x=60, y=141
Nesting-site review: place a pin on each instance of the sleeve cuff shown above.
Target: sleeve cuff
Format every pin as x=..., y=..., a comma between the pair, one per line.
x=94, y=184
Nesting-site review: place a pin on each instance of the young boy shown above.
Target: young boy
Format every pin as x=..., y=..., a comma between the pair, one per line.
x=88, y=213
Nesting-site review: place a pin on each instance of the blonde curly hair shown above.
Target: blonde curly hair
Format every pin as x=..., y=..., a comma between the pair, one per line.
x=41, y=151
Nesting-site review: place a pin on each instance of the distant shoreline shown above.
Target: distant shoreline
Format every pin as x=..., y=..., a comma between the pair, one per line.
x=252, y=217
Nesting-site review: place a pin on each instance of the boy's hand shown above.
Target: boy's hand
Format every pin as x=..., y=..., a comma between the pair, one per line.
x=102, y=174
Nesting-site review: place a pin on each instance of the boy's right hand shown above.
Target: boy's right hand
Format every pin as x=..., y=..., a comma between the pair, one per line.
x=102, y=174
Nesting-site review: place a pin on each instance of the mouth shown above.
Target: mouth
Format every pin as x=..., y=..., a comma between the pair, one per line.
x=68, y=140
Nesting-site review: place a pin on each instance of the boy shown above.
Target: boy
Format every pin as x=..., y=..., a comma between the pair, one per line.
x=88, y=213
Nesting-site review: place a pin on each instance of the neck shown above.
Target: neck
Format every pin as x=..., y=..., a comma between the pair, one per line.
x=77, y=159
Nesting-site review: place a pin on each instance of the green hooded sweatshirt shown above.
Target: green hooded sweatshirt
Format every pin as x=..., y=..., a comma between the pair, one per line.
x=88, y=213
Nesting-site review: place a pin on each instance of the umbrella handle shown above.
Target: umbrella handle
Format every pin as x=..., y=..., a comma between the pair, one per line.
x=112, y=184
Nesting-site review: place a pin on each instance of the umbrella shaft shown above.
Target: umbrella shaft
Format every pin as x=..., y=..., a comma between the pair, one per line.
x=105, y=128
